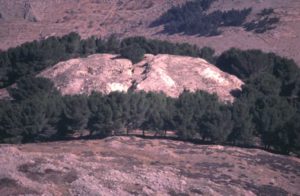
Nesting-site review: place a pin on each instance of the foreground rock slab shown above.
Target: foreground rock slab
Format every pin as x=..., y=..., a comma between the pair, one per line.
x=135, y=166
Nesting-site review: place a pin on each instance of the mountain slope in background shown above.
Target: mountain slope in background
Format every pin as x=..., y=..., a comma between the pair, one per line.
x=167, y=73
x=28, y=20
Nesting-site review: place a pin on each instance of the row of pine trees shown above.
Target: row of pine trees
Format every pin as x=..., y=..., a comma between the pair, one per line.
x=265, y=113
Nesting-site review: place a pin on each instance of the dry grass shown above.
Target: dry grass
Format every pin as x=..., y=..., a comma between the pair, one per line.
x=133, y=166
x=128, y=18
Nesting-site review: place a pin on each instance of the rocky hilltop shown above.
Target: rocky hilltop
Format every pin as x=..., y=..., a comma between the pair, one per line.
x=28, y=20
x=134, y=166
x=166, y=73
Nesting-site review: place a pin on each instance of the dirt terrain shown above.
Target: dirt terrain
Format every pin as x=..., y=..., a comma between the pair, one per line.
x=131, y=165
x=27, y=20
x=135, y=166
x=167, y=73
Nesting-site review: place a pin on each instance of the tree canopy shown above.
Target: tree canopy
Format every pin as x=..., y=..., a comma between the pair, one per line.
x=265, y=113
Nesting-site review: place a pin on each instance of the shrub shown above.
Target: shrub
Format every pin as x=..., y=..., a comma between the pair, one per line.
x=133, y=52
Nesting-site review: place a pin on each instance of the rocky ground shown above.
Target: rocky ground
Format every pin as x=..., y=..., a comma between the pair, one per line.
x=170, y=74
x=28, y=20
x=135, y=166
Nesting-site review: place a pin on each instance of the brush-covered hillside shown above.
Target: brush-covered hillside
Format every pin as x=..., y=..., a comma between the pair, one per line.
x=269, y=25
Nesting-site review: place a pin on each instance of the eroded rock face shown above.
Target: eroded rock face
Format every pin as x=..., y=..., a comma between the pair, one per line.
x=135, y=166
x=103, y=73
x=173, y=74
x=4, y=94
x=166, y=73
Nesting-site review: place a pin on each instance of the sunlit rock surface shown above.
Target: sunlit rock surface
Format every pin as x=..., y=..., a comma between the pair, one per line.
x=161, y=73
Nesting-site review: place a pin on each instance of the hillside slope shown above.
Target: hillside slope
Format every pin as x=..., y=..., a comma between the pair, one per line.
x=167, y=73
x=134, y=166
x=28, y=20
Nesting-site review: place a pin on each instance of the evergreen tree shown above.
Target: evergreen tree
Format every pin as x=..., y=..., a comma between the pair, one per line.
x=30, y=87
x=184, y=117
x=38, y=108
x=243, y=127
x=139, y=105
x=192, y=19
x=190, y=109
x=33, y=118
x=154, y=114
x=11, y=126
x=244, y=64
x=208, y=54
x=100, y=121
x=112, y=45
x=288, y=136
x=270, y=114
x=133, y=52
x=287, y=73
x=71, y=43
x=263, y=84
x=88, y=46
x=75, y=114
x=118, y=102
x=217, y=124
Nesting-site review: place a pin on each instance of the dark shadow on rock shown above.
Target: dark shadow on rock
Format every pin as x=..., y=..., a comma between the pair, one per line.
x=236, y=93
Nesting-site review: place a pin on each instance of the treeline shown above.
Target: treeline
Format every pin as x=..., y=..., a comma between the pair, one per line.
x=192, y=19
x=264, y=21
x=271, y=94
x=38, y=112
x=31, y=58
x=283, y=73
x=266, y=112
x=258, y=117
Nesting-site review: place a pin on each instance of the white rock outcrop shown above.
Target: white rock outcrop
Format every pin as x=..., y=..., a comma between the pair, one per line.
x=170, y=74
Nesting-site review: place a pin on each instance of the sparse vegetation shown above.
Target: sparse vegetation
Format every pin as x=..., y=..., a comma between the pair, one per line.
x=262, y=25
x=192, y=19
x=66, y=164
x=133, y=52
x=266, y=12
x=264, y=21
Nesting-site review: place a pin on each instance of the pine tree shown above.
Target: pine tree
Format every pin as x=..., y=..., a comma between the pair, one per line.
x=75, y=114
